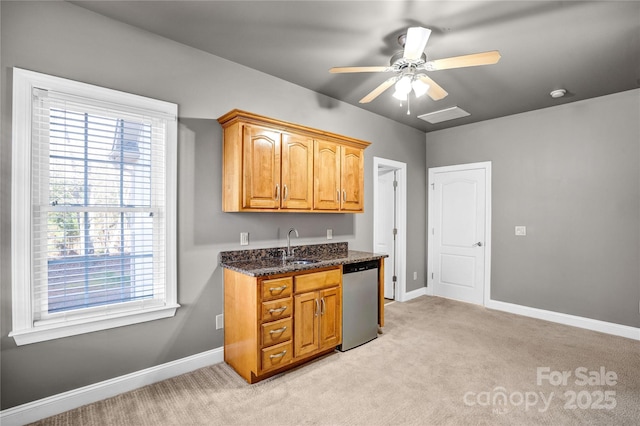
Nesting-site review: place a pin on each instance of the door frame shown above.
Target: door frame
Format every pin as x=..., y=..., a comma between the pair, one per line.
x=401, y=220
x=486, y=165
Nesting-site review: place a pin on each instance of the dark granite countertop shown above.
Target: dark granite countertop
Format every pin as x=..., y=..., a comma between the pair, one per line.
x=262, y=262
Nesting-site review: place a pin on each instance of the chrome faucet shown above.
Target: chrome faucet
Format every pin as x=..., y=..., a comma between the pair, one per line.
x=289, y=253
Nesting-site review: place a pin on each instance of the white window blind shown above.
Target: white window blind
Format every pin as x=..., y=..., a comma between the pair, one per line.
x=100, y=222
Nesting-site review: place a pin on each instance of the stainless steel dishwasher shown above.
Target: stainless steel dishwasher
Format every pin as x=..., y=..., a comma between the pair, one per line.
x=359, y=304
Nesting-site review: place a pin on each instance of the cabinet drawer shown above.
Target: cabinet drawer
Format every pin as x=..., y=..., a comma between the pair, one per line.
x=318, y=280
x=277, y=288
x=276, y=332
x=276, y=309
x=277, y=356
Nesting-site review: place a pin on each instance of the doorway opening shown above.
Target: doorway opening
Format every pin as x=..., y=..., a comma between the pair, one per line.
x=389, y=223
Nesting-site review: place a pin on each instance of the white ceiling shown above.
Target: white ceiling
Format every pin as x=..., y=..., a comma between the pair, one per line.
x=589, y=48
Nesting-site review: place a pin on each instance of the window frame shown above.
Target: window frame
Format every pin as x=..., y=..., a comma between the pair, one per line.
x=24, y=330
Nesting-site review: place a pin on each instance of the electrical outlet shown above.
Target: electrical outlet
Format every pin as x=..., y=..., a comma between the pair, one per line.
x=521, y=231
x=415, y=275
x=329, y=234
x=219, y=321
x=244, y=238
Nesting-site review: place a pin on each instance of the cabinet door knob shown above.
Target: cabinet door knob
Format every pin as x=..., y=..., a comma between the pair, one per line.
x=323, y=306
x=278, y=310
x=317, y=306
x=285, y=193
x=277, y=191
x=278, y=330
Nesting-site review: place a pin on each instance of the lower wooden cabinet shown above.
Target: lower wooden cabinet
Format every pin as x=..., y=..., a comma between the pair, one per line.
x=275, y=323
x=275, y=357
x=318, y=321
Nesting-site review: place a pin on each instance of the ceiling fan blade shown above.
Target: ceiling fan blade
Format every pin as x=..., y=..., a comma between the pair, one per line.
x=415, y=42
x=484, y=58
x=359, y=69
x=378, y=90
x=435, y=92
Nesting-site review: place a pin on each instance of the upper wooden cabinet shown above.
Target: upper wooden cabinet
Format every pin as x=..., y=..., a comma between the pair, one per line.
x=277, y=169
x=339, y=177
x=297, y=172
x=271, y=165
x=261, y=168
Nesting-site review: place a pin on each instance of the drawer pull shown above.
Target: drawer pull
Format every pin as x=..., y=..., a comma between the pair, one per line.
x=281, y=288
x=278, y=310
x=278, y=330
x=278, y=355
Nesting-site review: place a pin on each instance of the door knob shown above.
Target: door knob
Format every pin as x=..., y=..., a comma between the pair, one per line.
x=478, y=244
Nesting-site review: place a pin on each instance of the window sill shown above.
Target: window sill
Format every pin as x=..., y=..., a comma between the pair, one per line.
x=57, y=331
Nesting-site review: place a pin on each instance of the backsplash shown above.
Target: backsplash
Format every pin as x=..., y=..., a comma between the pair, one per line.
x=306, y=251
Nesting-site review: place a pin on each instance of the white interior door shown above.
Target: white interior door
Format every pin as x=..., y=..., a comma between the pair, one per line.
x=390, y=208
x=458, y=211
x=385, y=224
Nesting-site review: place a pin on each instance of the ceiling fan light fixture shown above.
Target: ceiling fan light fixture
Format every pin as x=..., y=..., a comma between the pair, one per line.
x=404, y=84
x=420, y=88
x=400, y=95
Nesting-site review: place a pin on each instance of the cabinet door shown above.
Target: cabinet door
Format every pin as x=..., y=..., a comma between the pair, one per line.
x=352, y=178
x=305, y=323
x=330, y=318
x=261, y=168
x=326, y=169
x=297, y=172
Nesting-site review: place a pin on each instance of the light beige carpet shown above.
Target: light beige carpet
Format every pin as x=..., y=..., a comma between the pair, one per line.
x=438, y=362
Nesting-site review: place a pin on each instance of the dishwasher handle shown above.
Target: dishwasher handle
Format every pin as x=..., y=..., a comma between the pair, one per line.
x=350, y=268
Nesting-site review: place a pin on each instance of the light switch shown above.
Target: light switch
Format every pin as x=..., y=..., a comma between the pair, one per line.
x=244, y=238
x=329, y=234
x=521, y=231
x=219, y=321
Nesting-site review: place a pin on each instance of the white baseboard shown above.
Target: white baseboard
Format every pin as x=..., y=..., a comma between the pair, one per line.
x=413, y=294
x=566, y=319
x=56, y=404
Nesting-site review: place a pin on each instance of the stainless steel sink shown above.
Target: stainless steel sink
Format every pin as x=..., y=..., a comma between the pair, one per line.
x=302, y=261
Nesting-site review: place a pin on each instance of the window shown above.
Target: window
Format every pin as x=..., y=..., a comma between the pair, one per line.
x=93, y=208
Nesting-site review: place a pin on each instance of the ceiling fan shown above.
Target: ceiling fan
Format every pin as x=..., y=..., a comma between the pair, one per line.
x=410, y=66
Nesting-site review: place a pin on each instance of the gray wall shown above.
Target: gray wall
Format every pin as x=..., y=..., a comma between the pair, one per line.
x=571, y=175
x=62, y=39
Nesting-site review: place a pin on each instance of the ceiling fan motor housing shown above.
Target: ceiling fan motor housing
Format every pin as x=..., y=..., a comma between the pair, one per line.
x=399, y=62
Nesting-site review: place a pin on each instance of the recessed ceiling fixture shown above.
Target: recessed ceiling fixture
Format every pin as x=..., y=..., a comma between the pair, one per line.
x=558, y=93
x=444, y=115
